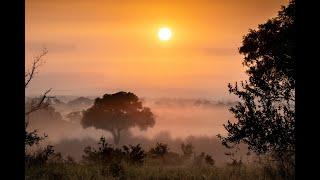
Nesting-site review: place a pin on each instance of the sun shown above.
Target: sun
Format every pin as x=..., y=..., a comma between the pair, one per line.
x=164, y=34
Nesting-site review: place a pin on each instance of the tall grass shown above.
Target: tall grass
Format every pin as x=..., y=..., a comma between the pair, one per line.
x=81, y=171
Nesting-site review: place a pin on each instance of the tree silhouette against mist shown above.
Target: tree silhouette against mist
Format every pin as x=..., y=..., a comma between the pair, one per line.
x=32, y=137
x=118, y=112
x=33, y=107
x=266, y=113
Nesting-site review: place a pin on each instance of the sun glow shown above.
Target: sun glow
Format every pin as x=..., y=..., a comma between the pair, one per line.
x=164, y=34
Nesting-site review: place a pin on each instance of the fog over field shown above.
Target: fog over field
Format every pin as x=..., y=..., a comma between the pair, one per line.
x=177, y=120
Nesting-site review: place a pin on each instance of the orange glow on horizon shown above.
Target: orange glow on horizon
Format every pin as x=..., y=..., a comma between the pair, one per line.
x=109, y=44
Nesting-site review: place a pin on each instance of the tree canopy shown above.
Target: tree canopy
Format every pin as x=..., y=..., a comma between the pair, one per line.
x=117, y=112
x=265, y=114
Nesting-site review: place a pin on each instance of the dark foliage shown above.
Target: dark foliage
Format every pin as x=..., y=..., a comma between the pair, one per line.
x=209, y=160
x=32, y=137
x=39, y=158
x=117, y=112
x=106, y=154
x=159, y=150
x=266, y=113
x=202, y=159
x=134, y=154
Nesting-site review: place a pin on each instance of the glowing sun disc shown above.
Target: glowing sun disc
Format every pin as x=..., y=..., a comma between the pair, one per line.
x=164, y=34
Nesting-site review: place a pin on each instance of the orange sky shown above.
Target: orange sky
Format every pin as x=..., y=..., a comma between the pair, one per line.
x=101, y=46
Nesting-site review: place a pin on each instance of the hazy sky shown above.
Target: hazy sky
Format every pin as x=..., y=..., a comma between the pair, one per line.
x=101, y=46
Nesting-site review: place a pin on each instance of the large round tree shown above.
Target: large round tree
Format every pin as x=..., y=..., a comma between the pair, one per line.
x=265, y=114
x=118, y=112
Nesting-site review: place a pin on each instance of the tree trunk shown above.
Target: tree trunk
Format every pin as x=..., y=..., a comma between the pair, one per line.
x=117, y=139
x=116, y=136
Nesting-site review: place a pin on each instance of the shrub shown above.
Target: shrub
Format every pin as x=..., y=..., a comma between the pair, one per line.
x=134, y=154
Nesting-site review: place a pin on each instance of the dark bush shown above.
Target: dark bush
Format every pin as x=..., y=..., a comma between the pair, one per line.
x=40, y=157
x=134, y=154
x=209, y=160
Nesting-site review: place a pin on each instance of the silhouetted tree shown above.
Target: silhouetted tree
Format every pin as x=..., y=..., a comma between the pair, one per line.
x=266, y=113
x=117, y=112
x=32, y=137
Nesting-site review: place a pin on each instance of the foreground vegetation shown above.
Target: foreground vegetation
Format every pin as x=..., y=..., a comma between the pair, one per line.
x=132, y=162
x=125, y=171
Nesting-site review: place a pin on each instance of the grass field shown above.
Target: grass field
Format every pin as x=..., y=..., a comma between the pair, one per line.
x=124, y=171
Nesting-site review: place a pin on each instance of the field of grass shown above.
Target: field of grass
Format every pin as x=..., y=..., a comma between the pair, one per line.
x=124, y=171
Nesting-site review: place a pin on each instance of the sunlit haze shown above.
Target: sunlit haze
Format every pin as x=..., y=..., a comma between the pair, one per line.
x=161, y=70
x=158, y=89
x=102, y=46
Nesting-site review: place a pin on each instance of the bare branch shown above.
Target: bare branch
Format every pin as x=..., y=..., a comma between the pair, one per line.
x=40, y=104
x=37, y=61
